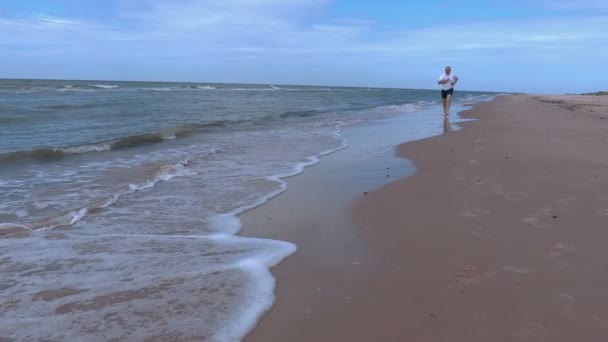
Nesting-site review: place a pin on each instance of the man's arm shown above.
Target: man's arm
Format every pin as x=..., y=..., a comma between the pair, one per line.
x=443, y=80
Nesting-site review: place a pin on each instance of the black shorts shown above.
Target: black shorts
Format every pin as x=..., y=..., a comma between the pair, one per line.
x=445, y=93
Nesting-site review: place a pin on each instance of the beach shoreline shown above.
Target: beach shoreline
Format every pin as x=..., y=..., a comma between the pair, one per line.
x=480, y=244
x=159, y=193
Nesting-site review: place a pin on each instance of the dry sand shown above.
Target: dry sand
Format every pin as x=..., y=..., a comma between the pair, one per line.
x=501, y=235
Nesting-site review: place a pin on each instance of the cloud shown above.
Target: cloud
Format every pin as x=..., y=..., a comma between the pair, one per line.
x=523, y=37
x=251, y=28
x=194, y=15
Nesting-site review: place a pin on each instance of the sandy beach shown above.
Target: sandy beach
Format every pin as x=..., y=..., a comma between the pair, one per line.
x=499, y=236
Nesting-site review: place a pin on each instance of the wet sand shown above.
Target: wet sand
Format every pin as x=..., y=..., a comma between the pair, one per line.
x=500, y=236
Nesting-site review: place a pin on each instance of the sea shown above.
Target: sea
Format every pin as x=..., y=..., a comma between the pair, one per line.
x=120, y=201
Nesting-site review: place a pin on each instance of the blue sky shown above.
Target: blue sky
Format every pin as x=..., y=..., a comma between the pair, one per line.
x=540, y=46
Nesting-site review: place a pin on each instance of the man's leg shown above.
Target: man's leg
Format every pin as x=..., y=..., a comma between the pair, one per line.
x=447, y=102
x=444, y=105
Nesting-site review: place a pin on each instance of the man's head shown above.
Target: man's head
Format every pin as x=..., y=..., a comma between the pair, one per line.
x=448, y=70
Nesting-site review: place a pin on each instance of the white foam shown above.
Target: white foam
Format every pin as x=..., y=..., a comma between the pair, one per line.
x=402, y=108
x=40, y=205
x=221, y=289
x=103, y=86
x=160, y=89
x=227, y=223
x=206, y=88
x=166, y=173
x=77, y=216
x=69, y=87
x=21, y=213
x=110, y=201
x=8, y=225
x=184, y=152
x=86, y=148
x=262, y=297
x=250, y=89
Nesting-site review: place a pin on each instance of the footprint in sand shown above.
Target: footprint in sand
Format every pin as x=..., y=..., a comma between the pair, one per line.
x=565, y=247
x=530, y=330
x=474, y=213
x=510, y=196
x=568, y=302
x=479, y=231
x=600, y=321
x=535, y=219
x=603, y=212
x=518, y=269
x=568, y=200
x=557, y=254
x=471, y=275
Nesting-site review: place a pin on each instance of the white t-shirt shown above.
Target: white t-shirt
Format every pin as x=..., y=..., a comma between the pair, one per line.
x=448, y=85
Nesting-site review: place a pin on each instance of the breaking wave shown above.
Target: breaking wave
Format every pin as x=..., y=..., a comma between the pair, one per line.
x=53, y=154
x=71, y=217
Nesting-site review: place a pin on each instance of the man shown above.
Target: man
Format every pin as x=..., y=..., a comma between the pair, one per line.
x=447, y=81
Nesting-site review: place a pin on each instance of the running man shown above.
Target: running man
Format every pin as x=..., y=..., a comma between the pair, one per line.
x=447, y=81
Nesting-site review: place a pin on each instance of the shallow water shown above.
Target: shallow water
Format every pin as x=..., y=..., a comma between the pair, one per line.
x=129, y=195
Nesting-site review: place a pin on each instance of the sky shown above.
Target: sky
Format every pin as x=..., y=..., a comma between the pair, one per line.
x=538, y=46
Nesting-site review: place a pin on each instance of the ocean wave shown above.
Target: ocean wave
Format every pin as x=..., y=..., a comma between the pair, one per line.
x=266, y=88
x=54, y=154
x=87, y=148
x=189, y=129
x=85, y=88
x=57, y=153
x=11, y=120
x=275, y=88
x=104, y=86
x=70, y=88
x=165, y=173
x=60, y=106
x=42, y=154
x=250, y=89
x=71, y=217
x=137, y=140
x=402, y=108
x=300, y=114
x=476, y=97
x=194, y=87
x=159, y=89
x=188, y=87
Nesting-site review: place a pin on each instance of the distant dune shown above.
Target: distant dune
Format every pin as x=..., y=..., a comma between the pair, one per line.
x=598, y=93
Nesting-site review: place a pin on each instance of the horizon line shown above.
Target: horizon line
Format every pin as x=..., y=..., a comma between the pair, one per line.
x=241, y=83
